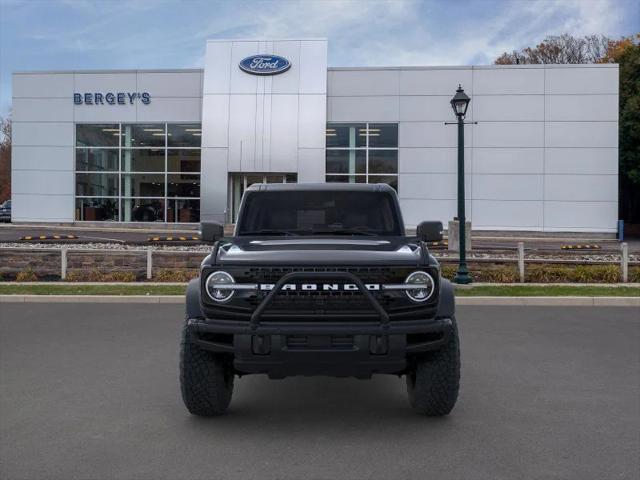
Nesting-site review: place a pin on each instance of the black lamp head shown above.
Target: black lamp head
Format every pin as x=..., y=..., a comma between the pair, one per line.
x=460, y=102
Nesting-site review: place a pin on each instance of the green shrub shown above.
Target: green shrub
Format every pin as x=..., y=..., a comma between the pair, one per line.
x=484, y=272
x=448, y=271
x=26, y=275
x=90, y=276
x=543, y=273
x=160, y=275
x=495, y=273
x=538, y=273
x=596, y=274
x=73, y=276
x=174, y=275
x=125, y=276
x=98, y=276
x=634, y=274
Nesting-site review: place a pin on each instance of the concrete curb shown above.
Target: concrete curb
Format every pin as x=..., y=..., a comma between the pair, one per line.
x=108, y=284
x=552, y=301
x=549, y=284
x=478, y=301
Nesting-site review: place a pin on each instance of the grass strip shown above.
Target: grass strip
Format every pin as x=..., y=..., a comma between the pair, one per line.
x=483, y=290
x=547, y=291
x=121, y=290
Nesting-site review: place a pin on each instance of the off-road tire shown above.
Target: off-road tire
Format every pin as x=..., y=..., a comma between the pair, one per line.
x=206, y=382
x=434, y=381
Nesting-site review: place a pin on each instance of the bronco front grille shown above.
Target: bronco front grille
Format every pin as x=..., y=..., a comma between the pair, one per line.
x=319, y=302
x=366, y=274
x=311, y=305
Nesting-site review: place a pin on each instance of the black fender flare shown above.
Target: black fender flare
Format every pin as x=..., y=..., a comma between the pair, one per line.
x=446, y=300
x=193, y=299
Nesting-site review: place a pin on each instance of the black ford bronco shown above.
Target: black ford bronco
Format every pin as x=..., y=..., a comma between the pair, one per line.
x=320, y=279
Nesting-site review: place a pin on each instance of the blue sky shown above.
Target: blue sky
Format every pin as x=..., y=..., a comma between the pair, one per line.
x=104, y=34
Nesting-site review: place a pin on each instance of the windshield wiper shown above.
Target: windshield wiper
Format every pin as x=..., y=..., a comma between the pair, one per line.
x=266, y=231
x=343, y=231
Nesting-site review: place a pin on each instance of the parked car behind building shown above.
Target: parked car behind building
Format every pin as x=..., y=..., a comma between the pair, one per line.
x=5, y=211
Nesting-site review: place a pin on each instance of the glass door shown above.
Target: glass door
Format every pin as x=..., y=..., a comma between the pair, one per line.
x=238, y=183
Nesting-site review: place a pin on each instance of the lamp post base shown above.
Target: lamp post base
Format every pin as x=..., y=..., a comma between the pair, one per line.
x=454, y=236
x=462, y=276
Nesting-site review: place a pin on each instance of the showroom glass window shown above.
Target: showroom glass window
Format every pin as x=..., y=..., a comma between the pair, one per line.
x=138, y=172
x=362, y=153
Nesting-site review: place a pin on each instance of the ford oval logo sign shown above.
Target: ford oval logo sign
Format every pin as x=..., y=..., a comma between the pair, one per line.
x=265, y=64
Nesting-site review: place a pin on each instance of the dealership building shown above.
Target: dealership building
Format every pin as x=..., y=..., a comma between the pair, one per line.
x=177, y=146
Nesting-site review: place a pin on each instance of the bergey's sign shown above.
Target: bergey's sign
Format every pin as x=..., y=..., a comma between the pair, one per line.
x=265, y=64
x=110, y=98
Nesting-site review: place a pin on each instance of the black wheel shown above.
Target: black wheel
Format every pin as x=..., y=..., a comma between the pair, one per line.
x=206, y=381
x=434, y=382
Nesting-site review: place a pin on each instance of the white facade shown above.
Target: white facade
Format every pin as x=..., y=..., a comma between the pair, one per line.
x=267, y=124
x=44, y=119
x=543, y=155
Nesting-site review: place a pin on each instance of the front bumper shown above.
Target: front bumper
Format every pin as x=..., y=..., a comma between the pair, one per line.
x=319, y=345
x=349, y=349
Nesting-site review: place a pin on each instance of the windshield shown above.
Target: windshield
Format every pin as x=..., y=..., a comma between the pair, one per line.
x=319, y=213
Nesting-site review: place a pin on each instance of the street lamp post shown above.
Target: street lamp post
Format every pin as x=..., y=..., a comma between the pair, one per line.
x=460, y=103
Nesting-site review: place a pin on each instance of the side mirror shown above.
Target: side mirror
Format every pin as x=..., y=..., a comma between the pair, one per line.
x=211, y=231
x=429, y=231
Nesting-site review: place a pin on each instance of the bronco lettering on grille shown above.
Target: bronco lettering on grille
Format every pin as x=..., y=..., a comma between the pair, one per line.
x=324, y=287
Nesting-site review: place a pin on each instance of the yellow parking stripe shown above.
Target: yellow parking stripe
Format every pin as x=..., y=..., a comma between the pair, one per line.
x=580, y=247
x=171, y=239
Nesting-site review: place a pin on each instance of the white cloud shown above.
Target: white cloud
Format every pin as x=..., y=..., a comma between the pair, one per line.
x=360, y=32
x=594, y=16
x=405, y=32
x=172, y=34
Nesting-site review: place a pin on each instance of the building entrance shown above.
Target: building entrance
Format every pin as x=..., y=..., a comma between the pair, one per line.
x=239, y=182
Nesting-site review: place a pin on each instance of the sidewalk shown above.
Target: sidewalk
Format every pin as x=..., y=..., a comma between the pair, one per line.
x=471, y=301
x=583, y=294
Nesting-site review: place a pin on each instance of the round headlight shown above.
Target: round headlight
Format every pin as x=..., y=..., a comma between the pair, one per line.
x=426, y=283
x=219, y=294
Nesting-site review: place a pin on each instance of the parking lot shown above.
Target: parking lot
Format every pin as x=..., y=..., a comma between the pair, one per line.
x=91, y=391
x=115, y=234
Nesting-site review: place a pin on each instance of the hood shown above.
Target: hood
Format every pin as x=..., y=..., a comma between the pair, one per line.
x=319, y=251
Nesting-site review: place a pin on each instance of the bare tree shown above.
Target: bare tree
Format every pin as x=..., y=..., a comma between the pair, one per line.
x=563, y=48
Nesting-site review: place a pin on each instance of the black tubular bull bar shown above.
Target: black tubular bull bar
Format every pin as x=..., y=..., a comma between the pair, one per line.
x=376, y=346
x=257, y=313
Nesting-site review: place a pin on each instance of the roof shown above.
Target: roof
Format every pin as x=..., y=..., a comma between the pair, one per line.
x=473, y=67
x=330, y=187
x=332, y=69
x=107, y=71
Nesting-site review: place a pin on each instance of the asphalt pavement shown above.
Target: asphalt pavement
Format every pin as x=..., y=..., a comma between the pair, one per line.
x=91, y=391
